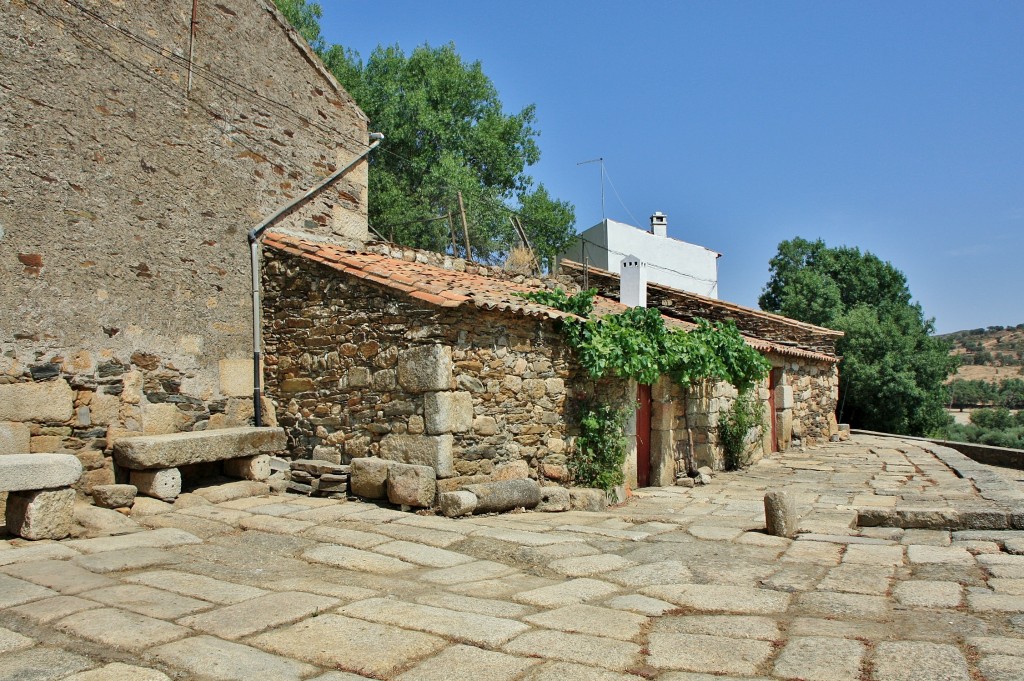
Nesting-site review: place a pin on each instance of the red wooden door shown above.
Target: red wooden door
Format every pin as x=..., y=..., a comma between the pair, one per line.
x=774, y=379
x=643, y=435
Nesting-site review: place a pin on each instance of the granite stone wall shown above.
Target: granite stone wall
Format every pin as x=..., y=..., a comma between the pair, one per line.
x=127, y=194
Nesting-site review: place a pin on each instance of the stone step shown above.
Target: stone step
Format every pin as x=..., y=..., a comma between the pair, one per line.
x=180, y=449
x=20, y=472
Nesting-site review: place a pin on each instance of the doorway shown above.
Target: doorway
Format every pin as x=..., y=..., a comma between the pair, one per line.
x=643, y=436
x=774, y=381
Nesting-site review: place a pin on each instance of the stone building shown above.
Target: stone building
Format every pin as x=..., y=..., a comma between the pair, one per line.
x=421, y=358
x=140, y=143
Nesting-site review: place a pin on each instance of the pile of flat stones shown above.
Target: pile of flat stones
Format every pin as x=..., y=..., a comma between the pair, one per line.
x=318, y=478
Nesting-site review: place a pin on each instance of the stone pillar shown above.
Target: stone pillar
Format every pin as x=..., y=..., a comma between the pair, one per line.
x=780, y=515
x=40, y=514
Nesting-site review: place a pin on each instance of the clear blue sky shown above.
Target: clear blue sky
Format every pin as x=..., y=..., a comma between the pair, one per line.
x=897, y=127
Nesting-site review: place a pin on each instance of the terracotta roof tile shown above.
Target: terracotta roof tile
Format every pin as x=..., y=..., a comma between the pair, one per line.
x=450, y=288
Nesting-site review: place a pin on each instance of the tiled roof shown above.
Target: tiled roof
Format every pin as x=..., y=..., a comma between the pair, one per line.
x=431, y=284
x=451, y=288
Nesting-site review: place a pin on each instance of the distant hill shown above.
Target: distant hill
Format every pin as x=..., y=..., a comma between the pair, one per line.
x=991, y=354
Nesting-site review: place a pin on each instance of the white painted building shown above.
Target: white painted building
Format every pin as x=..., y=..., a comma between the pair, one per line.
x=668, y=261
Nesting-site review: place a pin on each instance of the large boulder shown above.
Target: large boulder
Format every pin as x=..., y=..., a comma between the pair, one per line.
x=410, y=485
x=421, y=450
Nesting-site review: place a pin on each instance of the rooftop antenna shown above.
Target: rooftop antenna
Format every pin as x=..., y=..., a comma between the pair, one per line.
x=601, y=161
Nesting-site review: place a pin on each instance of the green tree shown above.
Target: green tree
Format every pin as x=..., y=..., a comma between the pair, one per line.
x=447, y=133
x=893, y=369
x=304, y=18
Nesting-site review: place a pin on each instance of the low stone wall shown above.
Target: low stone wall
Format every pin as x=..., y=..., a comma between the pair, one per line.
x=84, y=403
x=815, y=389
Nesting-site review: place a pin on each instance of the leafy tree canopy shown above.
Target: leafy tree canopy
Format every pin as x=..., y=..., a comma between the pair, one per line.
x=446, y=132
x=893, y=369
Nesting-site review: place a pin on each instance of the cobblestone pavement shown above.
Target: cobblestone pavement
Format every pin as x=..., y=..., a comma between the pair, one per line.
x=677, y=585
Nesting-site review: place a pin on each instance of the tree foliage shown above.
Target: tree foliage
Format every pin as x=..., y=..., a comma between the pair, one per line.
x=445, y=132
x=893, y=369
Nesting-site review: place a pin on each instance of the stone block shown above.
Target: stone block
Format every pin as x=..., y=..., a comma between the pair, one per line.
x=14, y=438
x=554, y=472
x=160, y=483
x=358, y=377
x=332, y=484
x=160, y=419
x=114, y=496
x=780, y=515
x=485, y=425
x=41, y=514
x=455, y=504
x=554, y=499
x=588, y=499
x=249, y=467
x=448, y=412
x=236, y=377
x=369, y=478
x=496, y=497
x=511, y=470
x=421, y=450
x=410, y=485
x=45, y=443
x=783, y=397
x=44, y=402
x=425, y=368
x=20, y=472
x=179, y=449
x=327, y=453
x=104, y=408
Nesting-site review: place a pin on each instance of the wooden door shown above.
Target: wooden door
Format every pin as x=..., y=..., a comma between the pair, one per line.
x=643, y=436
x=774, y=380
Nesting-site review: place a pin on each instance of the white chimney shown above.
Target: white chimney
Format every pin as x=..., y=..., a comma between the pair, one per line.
x=632, y=282
x=659, y=224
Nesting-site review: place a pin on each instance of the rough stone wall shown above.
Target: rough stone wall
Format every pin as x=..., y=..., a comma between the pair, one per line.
x=126, y=200
x=342, y=365
x=815, y=396
x=83, y=403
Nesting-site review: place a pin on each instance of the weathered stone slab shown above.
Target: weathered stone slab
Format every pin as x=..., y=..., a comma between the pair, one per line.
x=929, y=594
x=17, y=591
x=41, y=514
x=581, y=648
x=145, y=600
x=586, y=499
x=569, y=592
x=467, y=662
x=179, y=449
x=204, y=656
x=41, y=664
x=127, y=559
x=505, y=495
x=588, y=619
x=38, y=471
x=919, y=661
x=816, y=658
x=59, y=575
x=434, y=451
x=200, y=586
x=257, y=614
x=425, y=368
x=161, y=483
x=121, y=629
x=339, y=642
x=161, y=538
x=46, y=401
x=410, y=485
x=471, y=627
x=427, y=556
x=12, y=640
x=733, y=626
x=583, y=566
x=355, y=559
x=722, y=598
x=710, y=654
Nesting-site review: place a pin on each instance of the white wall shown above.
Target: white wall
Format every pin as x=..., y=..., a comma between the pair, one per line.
x=670, y=262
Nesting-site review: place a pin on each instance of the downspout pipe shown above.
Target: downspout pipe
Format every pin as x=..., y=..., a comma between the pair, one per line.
x=254, y=261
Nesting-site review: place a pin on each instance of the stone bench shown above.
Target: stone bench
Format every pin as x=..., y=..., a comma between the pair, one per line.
x=40, y=501
x=154, y=460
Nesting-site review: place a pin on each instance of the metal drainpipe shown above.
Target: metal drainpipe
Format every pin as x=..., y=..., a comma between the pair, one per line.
x=254, y=261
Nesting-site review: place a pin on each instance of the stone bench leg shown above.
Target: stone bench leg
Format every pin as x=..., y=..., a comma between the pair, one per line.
x=249, y=467
x=41, y=514
x=160, y=483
